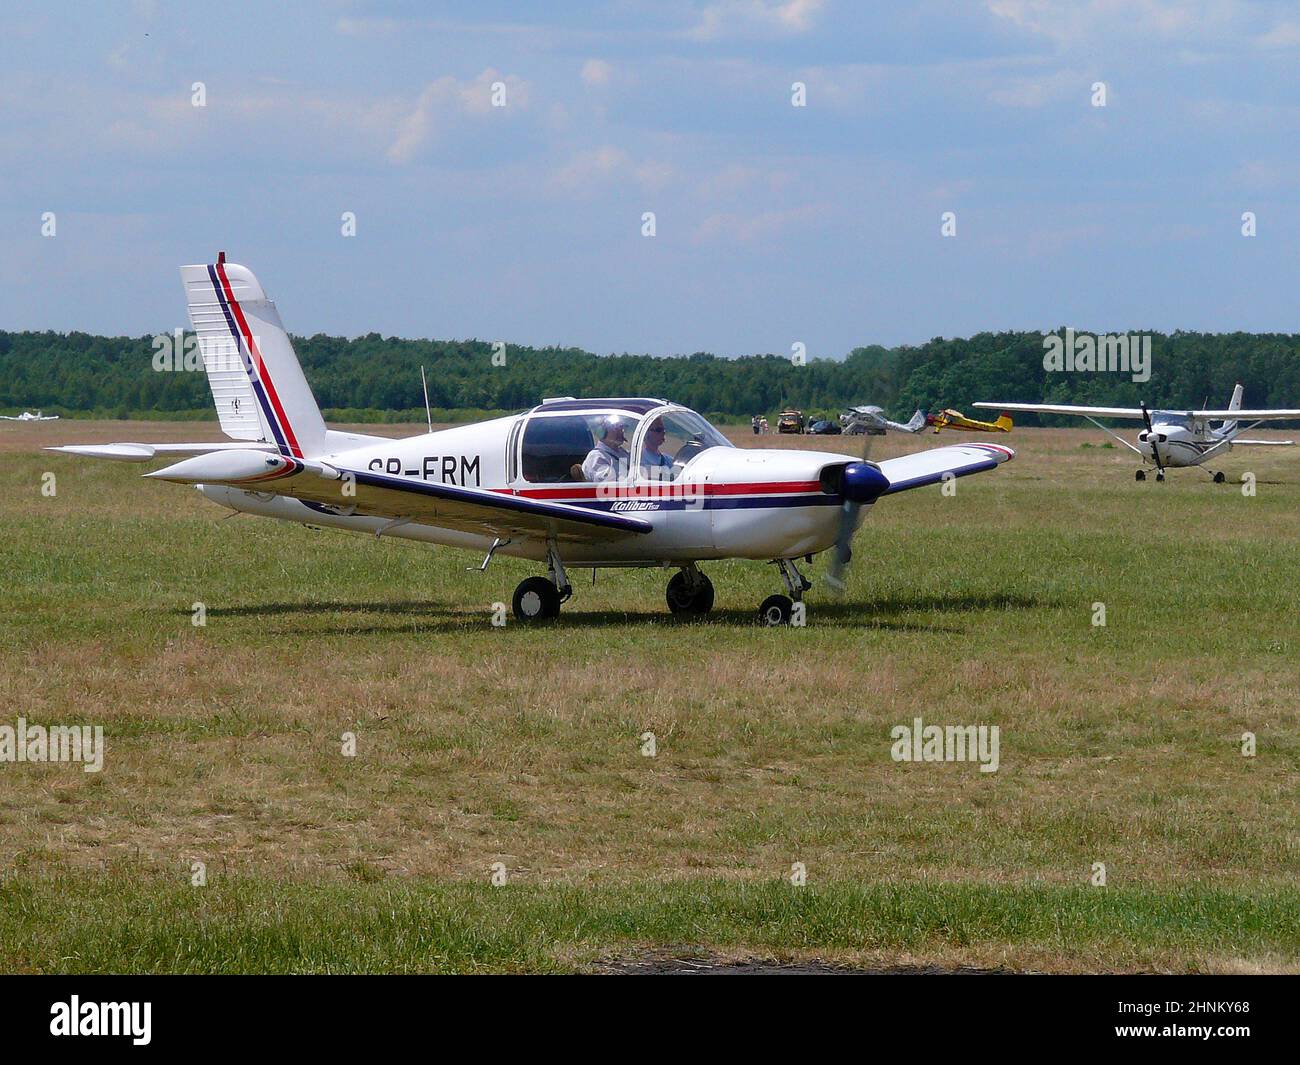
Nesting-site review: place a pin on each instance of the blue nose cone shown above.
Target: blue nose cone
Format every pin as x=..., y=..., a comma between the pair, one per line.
x=863, y=481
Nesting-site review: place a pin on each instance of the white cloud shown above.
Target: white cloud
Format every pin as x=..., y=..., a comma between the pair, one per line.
x=1283, y=35
x=588, y=170
x=443, y=101
x=1071, y=22
x=727, y=18
x=596, y=73
x=752, y=227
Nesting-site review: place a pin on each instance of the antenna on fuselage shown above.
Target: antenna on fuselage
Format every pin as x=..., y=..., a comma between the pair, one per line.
x=427, y=412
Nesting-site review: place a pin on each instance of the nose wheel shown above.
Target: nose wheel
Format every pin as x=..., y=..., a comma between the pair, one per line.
x=779, y=609
x=776, y=610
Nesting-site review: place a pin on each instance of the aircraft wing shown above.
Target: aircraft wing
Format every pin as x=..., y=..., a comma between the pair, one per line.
x=1246, y=415
x=933, y=466
x=1082, y=412
x=470, y=509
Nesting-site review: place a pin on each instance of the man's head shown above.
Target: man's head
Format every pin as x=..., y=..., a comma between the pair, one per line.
x=654, y=435
x=613, y=430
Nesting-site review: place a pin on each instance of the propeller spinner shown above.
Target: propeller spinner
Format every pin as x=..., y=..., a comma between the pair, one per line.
x=861, y=482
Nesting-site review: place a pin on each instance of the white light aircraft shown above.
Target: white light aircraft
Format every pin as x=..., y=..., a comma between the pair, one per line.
x=1174, y=438
x=28, y=416
x=872, y=420
x=681, y=493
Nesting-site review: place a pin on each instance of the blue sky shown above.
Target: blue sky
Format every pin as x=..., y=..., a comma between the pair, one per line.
x=775, y=224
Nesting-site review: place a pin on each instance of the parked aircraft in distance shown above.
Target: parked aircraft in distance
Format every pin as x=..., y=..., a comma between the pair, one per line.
x=1175, y=438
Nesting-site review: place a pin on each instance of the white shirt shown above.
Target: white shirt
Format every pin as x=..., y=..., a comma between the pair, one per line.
x=605, y=463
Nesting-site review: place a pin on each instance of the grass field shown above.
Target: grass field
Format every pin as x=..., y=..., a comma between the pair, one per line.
x=478, y=745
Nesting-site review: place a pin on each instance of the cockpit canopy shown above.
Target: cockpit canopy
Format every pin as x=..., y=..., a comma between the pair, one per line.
x=560, y=434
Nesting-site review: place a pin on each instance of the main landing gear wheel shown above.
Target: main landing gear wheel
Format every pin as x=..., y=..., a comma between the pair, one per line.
x=689, y=597
x=1160, y=475
x=1219, y=478
x=1141, y=475
x=776, y=610
x=536, y=599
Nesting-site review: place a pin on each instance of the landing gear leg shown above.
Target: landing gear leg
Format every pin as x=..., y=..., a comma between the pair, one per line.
x=555, y=570
x=779, y=609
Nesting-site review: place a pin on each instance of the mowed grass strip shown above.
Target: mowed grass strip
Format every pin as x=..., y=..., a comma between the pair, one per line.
x=128, y=921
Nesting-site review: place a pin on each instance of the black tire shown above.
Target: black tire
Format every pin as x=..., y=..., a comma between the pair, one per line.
x=687, y=600
x=776, y=610
x=536, y=599
x=1219, y=478
x=1141, y=475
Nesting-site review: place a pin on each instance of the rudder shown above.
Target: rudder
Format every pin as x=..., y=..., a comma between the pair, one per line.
x=257, y=383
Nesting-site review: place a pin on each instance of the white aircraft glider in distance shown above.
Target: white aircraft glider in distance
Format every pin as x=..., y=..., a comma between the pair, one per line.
x=28, y=416
x=1174, y=438
x=872, y=420
x=679, y=494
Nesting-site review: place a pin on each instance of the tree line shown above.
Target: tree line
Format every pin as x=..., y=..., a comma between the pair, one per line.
x=371, y=377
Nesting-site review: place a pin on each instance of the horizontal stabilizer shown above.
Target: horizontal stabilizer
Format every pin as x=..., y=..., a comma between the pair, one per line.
x=145, y=452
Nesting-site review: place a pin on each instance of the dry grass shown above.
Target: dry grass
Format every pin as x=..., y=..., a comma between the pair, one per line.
x=477, y=745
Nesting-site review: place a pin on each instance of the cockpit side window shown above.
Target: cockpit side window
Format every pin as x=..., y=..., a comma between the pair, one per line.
x=553, y=447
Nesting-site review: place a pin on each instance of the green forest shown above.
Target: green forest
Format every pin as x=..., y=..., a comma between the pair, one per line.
x=373, y=378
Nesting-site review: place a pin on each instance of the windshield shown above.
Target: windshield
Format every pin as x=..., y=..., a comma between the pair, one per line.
x=672, y=439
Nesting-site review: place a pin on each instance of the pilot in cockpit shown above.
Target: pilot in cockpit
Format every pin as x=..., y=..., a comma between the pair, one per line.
x=655, y=465
x=608, y=460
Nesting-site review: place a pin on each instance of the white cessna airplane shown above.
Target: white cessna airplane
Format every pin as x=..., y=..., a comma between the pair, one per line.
x=1174, y=438
x=28, y=416
x=515, y=485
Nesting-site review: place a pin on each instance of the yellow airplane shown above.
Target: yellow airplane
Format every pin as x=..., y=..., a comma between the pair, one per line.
x=955, y=419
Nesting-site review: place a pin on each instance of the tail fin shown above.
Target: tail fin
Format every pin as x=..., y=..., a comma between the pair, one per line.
x=1231, y=427
x=916, y=423
x=1004, y=422
x=257, y=384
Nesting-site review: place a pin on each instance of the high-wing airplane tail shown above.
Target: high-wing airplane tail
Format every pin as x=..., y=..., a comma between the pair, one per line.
x=256, y=381
x=1004, y=423
x=1228, y=428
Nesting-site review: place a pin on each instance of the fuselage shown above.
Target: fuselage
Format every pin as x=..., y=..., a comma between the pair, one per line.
x=720, y=502
x=1182, y=441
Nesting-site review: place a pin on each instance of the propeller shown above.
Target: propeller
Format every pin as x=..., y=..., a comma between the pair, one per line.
x=1151, y=439
x=860, y=482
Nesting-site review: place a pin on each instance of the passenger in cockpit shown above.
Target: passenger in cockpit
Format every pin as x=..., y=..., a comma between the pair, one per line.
x=608, y=460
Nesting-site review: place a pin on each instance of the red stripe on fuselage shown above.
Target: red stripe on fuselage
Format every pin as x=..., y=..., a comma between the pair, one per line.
x=263, y=376
x=667, y=488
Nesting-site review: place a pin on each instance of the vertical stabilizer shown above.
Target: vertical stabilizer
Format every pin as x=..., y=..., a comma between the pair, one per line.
x=256, y=381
